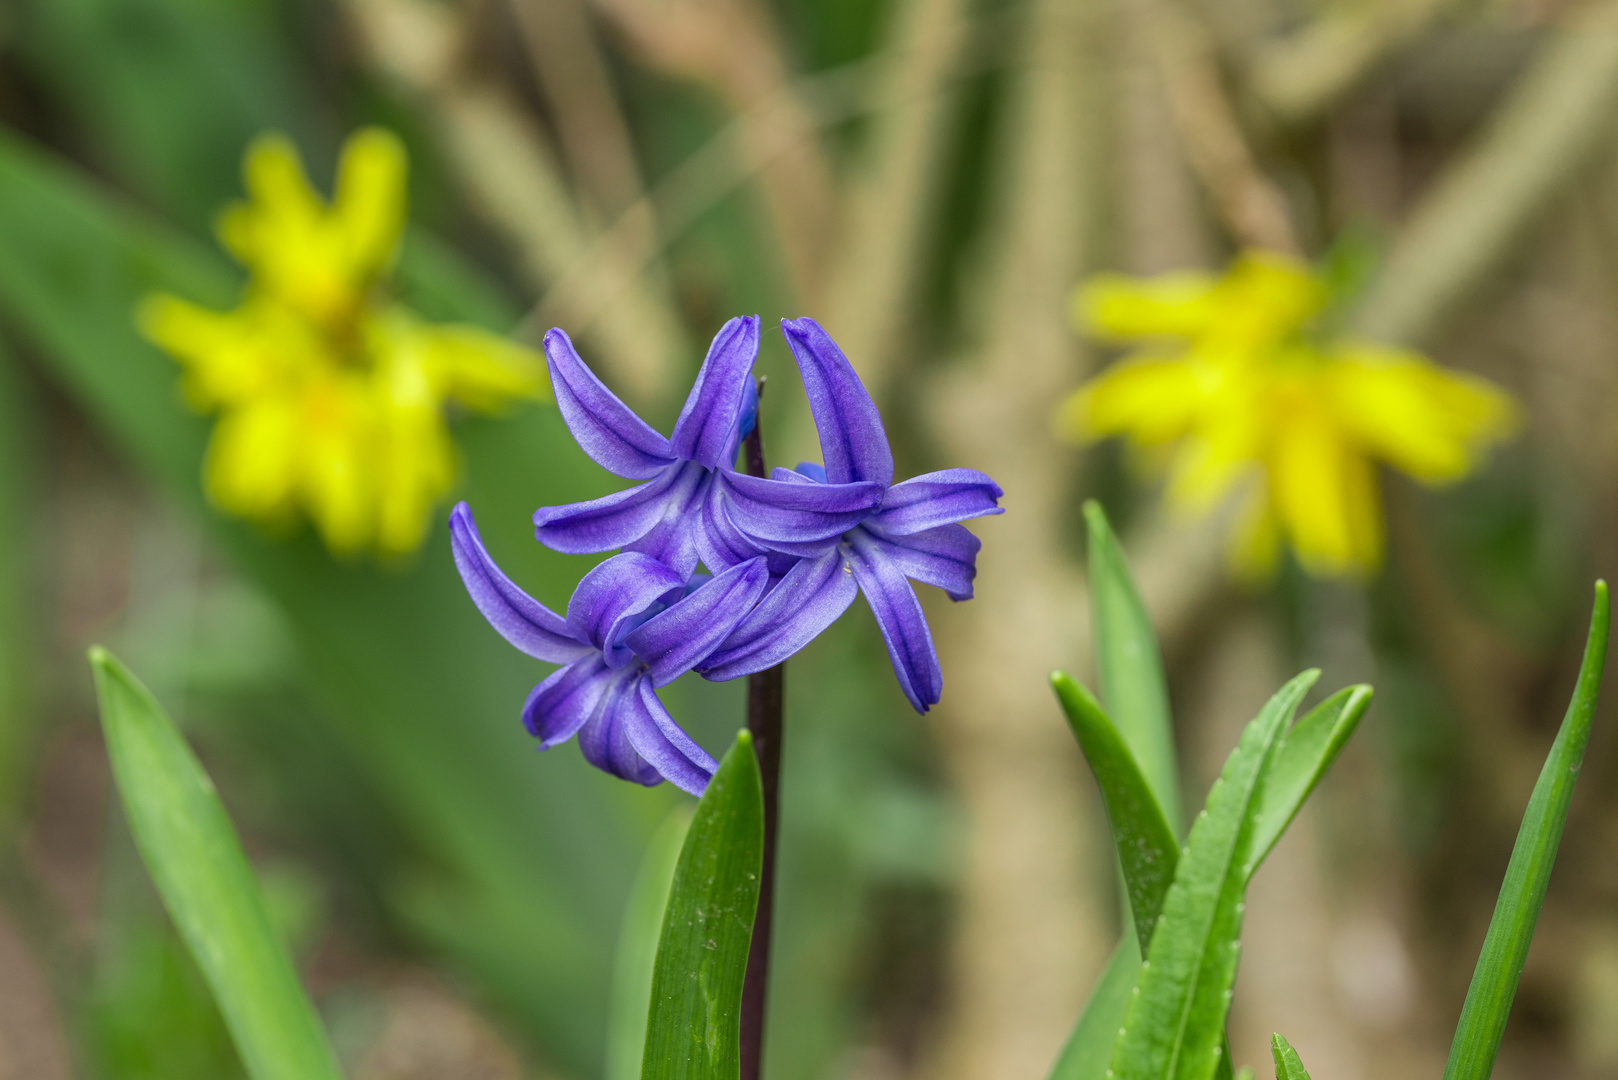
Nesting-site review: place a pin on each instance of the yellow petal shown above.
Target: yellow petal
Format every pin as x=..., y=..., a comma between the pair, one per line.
x=1325, y=496
x=369, y=206
x=1152, y=401
x=252, y=461
x=1264, y=299
x=1431, y=423
x=417, y=468
x=1255, y=543
x=1118, y=306
x=485, y=371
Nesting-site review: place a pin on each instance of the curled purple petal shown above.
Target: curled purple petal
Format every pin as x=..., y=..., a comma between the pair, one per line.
x=676, y=639
x=612, y=521
x=773, y=511
x=852, y=439
x=604, y=740
x=558, y=707
x=936, y=498
x=611, y=596
x=710, y=423
x=899, y=617
x=810, y=598
x=605, y=428
x=945, y=557
x=661, y=742
x=529, y=625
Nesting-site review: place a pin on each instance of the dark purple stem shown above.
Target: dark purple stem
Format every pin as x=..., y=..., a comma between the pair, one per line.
x=764, y=708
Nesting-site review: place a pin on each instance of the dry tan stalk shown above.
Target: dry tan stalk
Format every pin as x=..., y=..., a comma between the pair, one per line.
x=513, y=181
x=730, y=46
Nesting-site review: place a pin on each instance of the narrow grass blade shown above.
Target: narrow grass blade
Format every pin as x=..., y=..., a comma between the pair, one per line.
x=1130, y=666
x=1307, y=752
x=1174, y=1027
x=1505, y=947
x=1147, y=850
x=693, y=1028
x=1287, y=1064
x=1089, y=1048
x=193, y=854
x=637, y=948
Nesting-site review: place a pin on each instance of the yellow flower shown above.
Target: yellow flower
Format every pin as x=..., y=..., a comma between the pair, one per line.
x=331, y=397
x=1228, y=385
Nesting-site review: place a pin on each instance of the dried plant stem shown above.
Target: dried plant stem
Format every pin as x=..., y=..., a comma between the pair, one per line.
x=1302, y=76
x=567, y=63
x=1552, y=124
x=1252, y=207
x=729, y=46
x=765, y=708
x=891, y=198
x=515, y=184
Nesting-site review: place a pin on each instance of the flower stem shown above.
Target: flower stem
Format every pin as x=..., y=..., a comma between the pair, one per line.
x=764, y=709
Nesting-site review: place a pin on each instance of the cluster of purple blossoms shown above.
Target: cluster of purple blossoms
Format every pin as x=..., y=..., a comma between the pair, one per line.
x=784, y=556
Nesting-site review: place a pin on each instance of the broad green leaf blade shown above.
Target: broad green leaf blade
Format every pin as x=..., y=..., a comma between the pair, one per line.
x=194, y=856
x=1307, y=752
x=637, y=948
x=1130, y=666
x=1505, y=947
x=1089, y=1049
x=693, y=1029
x=1287, y=1064
x=1147, y=850
x=1174, y=1027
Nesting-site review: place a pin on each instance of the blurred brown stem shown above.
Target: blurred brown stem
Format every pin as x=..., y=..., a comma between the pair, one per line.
x=729, y=46
x=1252, y=206
x=1551, y=124
x=513, y=181
x=567, y=63
x=1300, y=77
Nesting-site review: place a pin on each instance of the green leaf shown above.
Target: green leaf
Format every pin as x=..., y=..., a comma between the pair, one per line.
x=1287, y=1064
x=1174, y=1027
x=637, y=947
x=1089, y=1049
x=1130, y=667
x=1147, y=850
x=1505, y=947
x=1307, y=752
x=693, y=1029
x=194, y=856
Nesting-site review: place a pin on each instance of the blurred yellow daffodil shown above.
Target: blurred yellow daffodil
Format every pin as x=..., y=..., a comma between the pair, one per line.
x=1229, y=385
x=331, y=396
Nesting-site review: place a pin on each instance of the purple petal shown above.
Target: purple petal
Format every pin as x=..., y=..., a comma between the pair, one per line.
x=662, y=743
x=604, y=739
x=612, y=521
x=899, y=617
x=675, y=640
x=852, y=441
x=710, y=424
x=775, y=511
x=809, y=599
x=519, y=618
x=609, y=598
x=945, y=557
x=720, y=544
x=936, y=498
x=559, y=706
x=606, y=428
x=675, y=538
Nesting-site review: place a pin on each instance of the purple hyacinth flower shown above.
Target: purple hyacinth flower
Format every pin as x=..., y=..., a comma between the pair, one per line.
x=633, y=625
x=692, y=506
x=913, y=534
